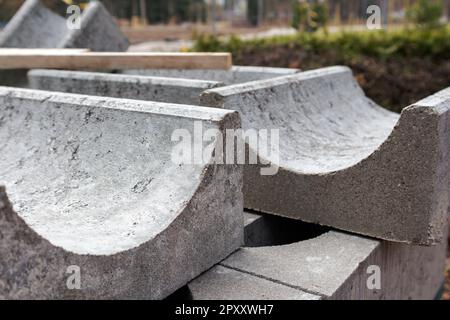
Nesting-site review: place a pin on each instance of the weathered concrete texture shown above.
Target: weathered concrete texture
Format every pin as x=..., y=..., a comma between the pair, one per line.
x=238, y=74
x=331, y=266
x=170, y=90
x=222, y=283
x=344, y=161
x=92, y=184
x=98, y=32
x=35, y=26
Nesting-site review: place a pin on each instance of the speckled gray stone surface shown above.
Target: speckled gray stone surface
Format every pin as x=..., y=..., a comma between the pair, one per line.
x=98, y=32
x=344, y=161
x=238, y=74
x=35, y=26
x=222, y=283
x=333, y=265
x=90, y=182
x=159, y=89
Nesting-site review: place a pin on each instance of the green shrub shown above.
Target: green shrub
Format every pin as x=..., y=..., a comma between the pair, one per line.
x=431, y=43
x=320, y=16
x=309, y=17
x=426, y=13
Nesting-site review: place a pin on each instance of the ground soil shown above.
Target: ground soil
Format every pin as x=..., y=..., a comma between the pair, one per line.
x=394, y=83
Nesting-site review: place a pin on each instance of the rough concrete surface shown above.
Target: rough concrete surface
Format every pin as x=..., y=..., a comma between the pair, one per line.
x=238, y=74
x=35, y=26
x=222, y=283
x=332, y=265
x=172, y=90
x=90, y=183
x=98, y=32
x=344, y=161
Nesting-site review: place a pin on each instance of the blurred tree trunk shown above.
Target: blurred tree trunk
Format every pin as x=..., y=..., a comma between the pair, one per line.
x=143, y=7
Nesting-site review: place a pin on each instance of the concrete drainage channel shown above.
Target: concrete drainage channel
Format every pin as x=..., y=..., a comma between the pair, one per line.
x=89, y=181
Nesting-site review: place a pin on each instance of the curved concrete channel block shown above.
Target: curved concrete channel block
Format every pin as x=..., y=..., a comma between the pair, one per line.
x=333, y=265
x=91, y=183
x=172, y=90
x=237, y=74
x=35, y=26
x=343, y=161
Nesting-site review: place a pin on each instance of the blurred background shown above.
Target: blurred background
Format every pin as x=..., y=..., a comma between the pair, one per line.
x=403, y=57
x=399, y=54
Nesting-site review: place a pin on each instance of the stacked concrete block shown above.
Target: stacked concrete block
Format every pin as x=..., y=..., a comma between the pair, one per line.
x=35, y=26
x=237, y=74
x=91, y=186
x=174, y=86
x=343, y=161
x=160, y=89
x=332, y=265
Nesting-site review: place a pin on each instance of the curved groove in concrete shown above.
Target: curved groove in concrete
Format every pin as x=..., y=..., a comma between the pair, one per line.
x=57, y=161
x=93, y=184
x=344, y=161
x=327, y=122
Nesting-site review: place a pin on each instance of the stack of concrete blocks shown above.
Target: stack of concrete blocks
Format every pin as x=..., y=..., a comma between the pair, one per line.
x=90, y=182
x=36, y=26
x=342, y=164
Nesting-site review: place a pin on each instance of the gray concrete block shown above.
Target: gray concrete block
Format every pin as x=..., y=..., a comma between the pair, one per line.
x=35, y=26
x=158, y=89
x=98, y=32
x=91, y=183
x=333, y=265
x=238, y=74
x=343, y=161
x=222, y=283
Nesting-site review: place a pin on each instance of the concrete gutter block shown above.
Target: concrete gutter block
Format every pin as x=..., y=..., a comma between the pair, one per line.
x=238, y=74
x=91, y=184
x=333, y=265
x=172, y=90
x=343, y=161
x=35, y=26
